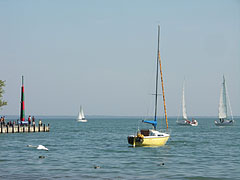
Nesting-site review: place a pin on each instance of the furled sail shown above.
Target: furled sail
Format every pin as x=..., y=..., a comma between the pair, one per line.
x=222, y=111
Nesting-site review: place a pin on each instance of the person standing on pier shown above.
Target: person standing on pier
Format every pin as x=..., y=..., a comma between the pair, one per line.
x=33, y=121
x=40, y=122
x=29, y=120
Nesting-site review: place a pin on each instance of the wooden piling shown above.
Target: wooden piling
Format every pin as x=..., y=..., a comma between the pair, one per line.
x=24, y=128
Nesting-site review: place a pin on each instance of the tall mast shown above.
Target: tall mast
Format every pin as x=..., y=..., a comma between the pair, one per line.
x=156, y=92
x=22, y=110
x=159, y=58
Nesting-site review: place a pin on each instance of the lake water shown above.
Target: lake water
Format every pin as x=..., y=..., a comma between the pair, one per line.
x=202, y=152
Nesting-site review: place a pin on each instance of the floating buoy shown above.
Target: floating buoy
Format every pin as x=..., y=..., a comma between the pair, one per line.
x=162, y=164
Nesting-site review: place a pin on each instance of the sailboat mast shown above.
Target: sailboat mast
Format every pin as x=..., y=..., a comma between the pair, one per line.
x=156, y=92
x=159, y=58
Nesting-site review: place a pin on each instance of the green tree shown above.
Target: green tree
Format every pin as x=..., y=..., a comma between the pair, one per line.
x=2, y=102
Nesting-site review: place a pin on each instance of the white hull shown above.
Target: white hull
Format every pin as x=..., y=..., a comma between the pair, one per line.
x=194, y=124
x=187, y=123
x=81, y=120
x=224, y=123
x=183, y=123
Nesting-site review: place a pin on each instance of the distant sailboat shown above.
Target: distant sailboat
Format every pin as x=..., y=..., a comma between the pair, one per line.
x=222, y=110
x=81, y=117
x=152, y=137
x=185, y=120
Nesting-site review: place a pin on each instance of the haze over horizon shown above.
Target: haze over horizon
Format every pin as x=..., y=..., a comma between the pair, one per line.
x=102, y=55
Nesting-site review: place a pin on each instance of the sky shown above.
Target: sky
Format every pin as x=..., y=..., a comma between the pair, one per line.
x=102, y=55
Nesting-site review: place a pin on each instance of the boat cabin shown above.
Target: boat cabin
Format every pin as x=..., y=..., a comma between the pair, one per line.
x=151, y=132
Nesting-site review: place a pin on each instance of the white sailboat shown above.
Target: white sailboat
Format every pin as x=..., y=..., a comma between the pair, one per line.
x=81, y=117
x=185, y=120
x=222, y=109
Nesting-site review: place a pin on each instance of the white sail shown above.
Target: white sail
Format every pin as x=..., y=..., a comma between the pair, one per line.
x=81, y=112
x=184, y=109
x=222, y=111
x=79, y=116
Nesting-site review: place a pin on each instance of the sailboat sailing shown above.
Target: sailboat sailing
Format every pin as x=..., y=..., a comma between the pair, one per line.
x=185, y=120
x=152, y=137
x=81, y=117
x=222, y=110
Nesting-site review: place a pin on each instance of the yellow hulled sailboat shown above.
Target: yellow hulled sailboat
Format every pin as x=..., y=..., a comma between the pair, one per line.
x=152, y=137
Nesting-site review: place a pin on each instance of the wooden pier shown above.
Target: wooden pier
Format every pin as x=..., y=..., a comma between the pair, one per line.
x=24, y=128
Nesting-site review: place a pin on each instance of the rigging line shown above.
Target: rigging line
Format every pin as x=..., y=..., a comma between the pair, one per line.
x=155, y=116
x=179, y=108
x=229, y=104
x=159, y=58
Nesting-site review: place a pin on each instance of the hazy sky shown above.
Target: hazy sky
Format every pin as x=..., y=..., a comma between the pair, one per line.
x=102, y=55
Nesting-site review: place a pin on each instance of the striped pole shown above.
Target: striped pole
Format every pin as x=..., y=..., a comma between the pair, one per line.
x=22, y=111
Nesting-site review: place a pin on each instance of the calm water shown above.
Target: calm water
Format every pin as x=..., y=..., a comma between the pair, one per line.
x=202, y=152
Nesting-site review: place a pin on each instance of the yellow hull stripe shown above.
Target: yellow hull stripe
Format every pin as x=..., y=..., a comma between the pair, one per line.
x=156, y=141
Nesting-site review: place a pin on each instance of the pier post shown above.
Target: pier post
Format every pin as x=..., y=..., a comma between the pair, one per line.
x=18, y=128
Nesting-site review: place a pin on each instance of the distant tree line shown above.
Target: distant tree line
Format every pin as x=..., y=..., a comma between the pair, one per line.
x=2, y=102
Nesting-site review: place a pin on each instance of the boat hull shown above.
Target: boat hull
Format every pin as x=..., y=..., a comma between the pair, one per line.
x=194, y=124
x=148, y=141
x=82, y=120
x=187, y=123
x=225, y=123
x=183, y=123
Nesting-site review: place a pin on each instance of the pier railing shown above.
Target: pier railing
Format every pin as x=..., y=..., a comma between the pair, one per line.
x=24, y=128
